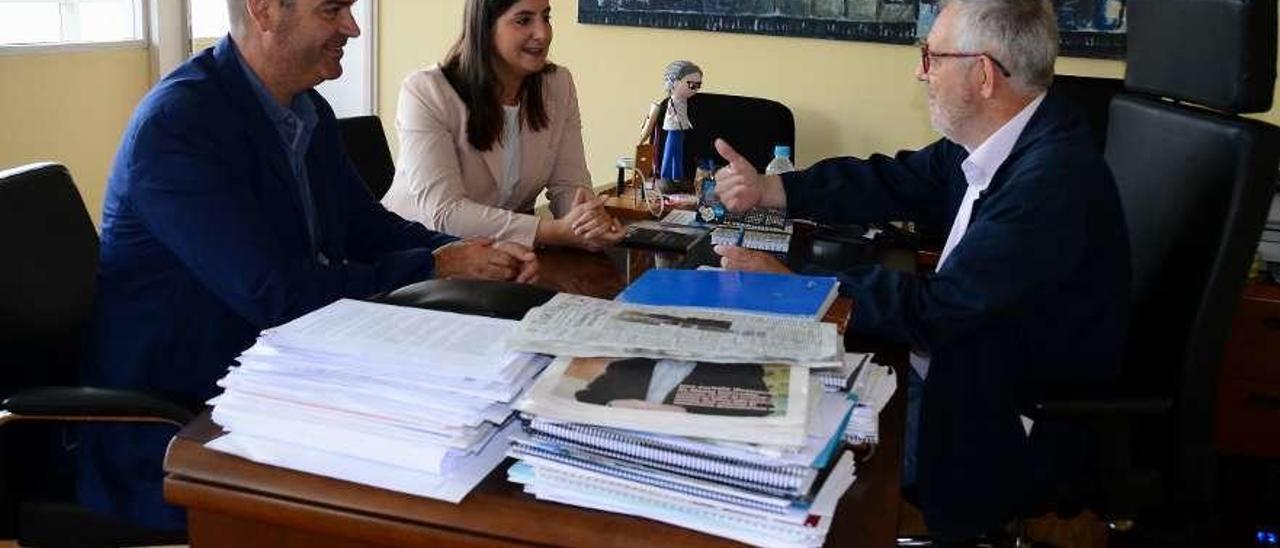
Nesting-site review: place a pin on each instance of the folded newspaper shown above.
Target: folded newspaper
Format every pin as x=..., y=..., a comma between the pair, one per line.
x=745, y=402
x=573, y=325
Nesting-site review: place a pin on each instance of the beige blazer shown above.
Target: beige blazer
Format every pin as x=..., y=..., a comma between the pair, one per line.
x=449, y=186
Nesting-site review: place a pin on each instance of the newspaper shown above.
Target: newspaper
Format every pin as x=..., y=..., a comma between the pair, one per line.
x=573, y=325
x=745, y=402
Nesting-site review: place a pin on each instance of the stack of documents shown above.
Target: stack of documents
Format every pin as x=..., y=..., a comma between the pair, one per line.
x=410, y=400
x=573, y=325
x=731, y=449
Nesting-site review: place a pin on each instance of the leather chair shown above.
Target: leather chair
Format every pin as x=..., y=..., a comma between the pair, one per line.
x=1093, y=97
x=1195, y=180
x=367, y=147
x=46, y=294
x=496, y=299
x=752, y=125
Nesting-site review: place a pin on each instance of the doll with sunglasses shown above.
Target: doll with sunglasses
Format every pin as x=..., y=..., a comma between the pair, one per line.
x=682, y=80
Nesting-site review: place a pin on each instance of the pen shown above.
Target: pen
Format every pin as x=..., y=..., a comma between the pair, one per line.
x=741, y=233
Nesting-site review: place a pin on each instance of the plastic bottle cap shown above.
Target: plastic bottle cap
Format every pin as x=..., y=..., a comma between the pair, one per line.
x=782, y=150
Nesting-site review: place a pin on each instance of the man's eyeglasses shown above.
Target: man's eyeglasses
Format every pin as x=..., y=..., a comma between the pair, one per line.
x=695, y=86
x=926, y=54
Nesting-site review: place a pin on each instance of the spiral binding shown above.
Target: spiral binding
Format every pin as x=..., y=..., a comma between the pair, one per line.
x=790, y=477
x=620, y=489
x=526, y=452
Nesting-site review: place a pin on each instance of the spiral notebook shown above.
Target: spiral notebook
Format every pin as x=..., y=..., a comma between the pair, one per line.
x=621, y=445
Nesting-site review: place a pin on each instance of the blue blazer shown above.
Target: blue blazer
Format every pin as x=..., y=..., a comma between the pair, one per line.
x=1036, y=292
x=204, y=244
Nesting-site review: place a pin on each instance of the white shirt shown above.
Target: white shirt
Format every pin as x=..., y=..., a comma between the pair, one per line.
x=511, y=154
x=677, y=117
x=979, y=168
x=667, y=375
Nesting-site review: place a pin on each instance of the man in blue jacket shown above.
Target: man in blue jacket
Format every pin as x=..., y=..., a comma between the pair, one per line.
x=1033, y=284
x=231, y=208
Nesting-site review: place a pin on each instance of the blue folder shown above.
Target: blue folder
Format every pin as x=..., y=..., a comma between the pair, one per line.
x=778, y=294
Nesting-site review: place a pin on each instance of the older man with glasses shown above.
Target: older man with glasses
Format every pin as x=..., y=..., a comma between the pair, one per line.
x=1032, y=287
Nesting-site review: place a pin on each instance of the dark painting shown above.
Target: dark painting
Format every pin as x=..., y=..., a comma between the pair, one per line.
x=1089, y=28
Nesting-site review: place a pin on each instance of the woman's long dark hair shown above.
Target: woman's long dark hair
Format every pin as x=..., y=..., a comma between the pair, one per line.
x=468, y=69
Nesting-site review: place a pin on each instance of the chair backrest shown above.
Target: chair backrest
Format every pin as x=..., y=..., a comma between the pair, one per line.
x=1092, y=97
x=48, y=280
x=367, y=147
x=1195, y=185
x=751, y=124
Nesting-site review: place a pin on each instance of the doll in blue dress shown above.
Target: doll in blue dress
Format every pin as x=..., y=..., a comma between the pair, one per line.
x=682, y=79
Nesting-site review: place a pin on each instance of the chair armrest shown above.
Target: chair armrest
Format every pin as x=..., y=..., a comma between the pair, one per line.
x=1118, y=398
x=496, y=299
x=68, y=403
x=1088, y=407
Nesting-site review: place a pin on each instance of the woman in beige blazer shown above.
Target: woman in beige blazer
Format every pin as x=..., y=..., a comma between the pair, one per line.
x=483, y=134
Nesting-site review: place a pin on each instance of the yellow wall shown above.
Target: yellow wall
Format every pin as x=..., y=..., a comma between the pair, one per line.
x=848, y=97
x=71, y=108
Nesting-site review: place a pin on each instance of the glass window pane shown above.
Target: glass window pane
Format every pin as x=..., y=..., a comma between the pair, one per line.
x=29, y=22
x=107, y=21
x=209, y=18
x=55, y=21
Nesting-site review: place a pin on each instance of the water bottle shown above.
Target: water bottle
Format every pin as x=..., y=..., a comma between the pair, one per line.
x=781, y=162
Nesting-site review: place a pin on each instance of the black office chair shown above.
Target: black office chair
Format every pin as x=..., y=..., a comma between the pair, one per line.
x=752, y=125
x=46, y=294
x=1195, y=183
x=366, y=144
x=1092, y=96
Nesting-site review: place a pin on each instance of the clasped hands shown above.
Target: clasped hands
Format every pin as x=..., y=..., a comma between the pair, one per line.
x=588, y=225
x=740, y=187
x=485, y=259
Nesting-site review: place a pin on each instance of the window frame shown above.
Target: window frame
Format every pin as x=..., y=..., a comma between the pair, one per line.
x=142, y=16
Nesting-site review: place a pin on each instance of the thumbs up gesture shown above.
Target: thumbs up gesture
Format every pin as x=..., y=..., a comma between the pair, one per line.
x=740, y=187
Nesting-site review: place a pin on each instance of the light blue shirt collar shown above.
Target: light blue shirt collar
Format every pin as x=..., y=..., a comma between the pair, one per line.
x=291, y=122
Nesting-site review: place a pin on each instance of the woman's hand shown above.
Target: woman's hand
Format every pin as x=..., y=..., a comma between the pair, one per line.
x=588, y=225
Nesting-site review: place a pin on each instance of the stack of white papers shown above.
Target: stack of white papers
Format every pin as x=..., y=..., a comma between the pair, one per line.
x=405, y=399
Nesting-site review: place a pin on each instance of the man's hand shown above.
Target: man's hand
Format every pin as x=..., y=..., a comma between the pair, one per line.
x=740, y=187
x=739, y=258
x=482, y=259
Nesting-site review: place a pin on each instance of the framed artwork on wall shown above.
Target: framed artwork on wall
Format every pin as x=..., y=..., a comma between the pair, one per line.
x=1089, y=28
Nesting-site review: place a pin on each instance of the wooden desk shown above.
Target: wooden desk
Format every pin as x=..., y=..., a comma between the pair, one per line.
x=235, y=502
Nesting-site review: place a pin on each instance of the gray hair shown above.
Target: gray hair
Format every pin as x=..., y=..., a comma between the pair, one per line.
x=235, y=14
x=676, y=71
x=1022, y=34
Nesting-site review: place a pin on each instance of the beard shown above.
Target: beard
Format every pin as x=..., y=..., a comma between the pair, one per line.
x=948, y=114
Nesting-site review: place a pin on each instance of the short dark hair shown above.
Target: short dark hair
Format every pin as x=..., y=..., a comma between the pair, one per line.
x=235, y=12
x=467, y=68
